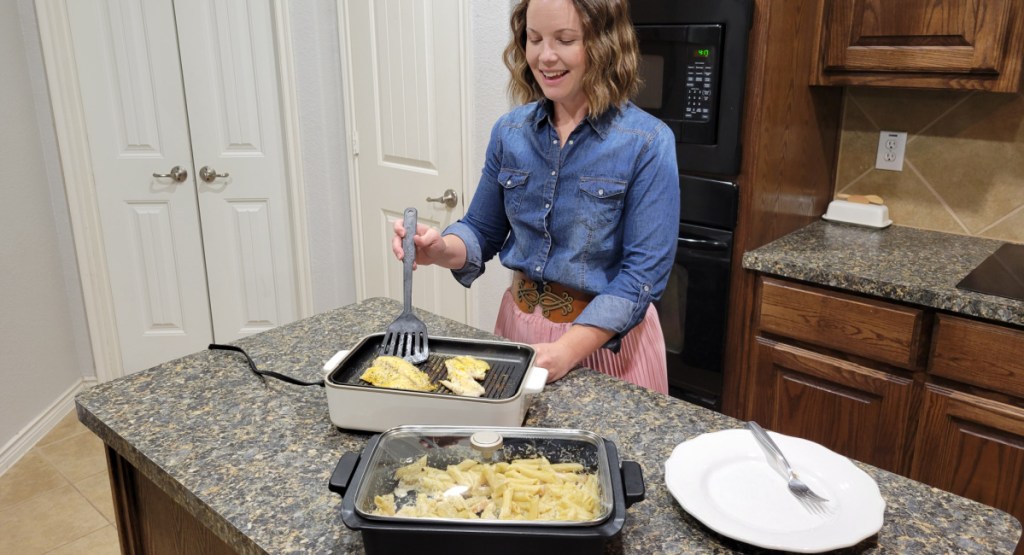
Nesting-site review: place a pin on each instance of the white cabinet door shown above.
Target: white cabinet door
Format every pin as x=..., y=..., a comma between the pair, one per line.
x=177, y=249
x=405, y=67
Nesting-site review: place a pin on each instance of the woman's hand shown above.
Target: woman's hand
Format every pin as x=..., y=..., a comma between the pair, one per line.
x=554, y=358
x=430, y=246
x=569, y=350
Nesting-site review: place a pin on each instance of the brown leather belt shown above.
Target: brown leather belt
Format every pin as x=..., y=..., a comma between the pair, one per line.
x=558, y=303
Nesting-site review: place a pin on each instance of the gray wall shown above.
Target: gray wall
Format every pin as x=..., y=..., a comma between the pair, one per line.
x=44, y=350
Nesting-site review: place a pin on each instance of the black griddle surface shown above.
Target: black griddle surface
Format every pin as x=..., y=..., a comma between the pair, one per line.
x=1001, y=274
x=509, y=363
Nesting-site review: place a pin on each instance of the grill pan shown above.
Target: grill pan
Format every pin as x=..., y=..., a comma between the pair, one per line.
x=509, y=363
x=510, y=384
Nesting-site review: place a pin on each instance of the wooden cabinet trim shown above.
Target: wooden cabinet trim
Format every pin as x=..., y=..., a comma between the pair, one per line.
x=853, y=375
x=877, y=330
x=978, y=353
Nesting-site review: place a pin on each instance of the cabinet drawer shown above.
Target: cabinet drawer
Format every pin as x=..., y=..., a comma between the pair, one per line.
x=980, y=354
x=874, y=329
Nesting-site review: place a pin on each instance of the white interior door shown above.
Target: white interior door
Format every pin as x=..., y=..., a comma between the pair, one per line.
x=227, y=58
x=176, y=248
x=131, y=90
x=405, y=66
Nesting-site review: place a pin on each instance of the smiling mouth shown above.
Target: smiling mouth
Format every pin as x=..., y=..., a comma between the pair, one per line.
x=553, y=74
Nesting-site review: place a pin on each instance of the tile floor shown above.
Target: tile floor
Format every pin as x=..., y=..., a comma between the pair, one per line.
x=56, y=499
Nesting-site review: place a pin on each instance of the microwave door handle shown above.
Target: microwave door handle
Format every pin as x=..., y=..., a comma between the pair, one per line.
x=702, y=244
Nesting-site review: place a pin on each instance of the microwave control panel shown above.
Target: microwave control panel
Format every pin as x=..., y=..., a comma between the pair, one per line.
x=700, y=86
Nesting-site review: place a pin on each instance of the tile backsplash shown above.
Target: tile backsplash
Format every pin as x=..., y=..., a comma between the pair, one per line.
x=963, y=169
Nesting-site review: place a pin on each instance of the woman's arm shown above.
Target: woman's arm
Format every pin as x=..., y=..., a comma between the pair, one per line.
x=569, y=350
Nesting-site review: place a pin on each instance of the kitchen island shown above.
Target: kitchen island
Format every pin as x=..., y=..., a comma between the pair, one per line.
x=204, y=458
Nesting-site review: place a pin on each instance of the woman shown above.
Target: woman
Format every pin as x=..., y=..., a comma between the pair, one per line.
x=579, y=195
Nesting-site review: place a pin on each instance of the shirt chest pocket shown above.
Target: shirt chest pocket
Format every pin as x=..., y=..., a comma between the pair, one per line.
x=513, y=183
x=601, y=200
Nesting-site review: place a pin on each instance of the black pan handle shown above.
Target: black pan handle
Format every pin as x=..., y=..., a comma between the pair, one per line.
x=343, y=473
x=633, y=482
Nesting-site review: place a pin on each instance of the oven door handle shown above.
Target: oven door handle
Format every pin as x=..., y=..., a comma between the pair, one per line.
x=702, y=244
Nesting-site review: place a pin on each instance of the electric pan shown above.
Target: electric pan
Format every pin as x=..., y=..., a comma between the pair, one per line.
x=364, y=478
x=510, y=386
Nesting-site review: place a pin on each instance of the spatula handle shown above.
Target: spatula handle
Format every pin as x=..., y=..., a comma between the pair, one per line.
x=410, y=253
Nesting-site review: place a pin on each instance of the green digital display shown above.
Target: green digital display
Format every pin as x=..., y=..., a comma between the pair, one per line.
x=703, y=52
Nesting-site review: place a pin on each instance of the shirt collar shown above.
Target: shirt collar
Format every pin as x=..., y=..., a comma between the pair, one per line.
x=544, y=112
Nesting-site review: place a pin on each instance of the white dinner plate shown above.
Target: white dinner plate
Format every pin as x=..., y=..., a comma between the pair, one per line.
x=724, y=480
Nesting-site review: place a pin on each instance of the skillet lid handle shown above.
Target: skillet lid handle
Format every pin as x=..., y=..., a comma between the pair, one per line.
x=343, y=473
x=633, y=482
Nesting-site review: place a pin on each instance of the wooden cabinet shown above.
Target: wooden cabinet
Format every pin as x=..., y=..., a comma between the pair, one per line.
x=925, y=394
x=956, y=44
x=832, y=356
x=980, y=354
x=973, y=447
x=853, y=406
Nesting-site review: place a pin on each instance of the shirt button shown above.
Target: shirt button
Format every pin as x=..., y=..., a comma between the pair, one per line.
x=547, y=205
x=553, y=172
x=537, y=268
x=509, y=182
x=647, y=288
x=554, y=142
x=570, y=141
x=600, y=192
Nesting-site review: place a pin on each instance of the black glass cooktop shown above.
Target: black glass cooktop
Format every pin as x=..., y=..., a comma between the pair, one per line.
x=1001, y=274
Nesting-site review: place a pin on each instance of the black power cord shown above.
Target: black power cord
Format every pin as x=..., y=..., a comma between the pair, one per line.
x=261, y=373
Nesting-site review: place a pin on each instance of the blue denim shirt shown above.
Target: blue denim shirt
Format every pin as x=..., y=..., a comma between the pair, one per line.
x=600, y=214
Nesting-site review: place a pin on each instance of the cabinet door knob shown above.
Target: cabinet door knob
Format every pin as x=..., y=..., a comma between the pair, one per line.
x=208, y=174
x=177, y=173
x=449, y=198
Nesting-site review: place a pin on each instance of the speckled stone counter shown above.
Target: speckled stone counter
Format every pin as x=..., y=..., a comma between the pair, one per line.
x=897, y=263
x=252, y=462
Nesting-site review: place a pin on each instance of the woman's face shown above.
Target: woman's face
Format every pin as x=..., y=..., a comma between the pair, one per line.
x=554, y=50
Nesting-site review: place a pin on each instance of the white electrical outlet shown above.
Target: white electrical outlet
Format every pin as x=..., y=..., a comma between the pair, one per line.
x=891, y=146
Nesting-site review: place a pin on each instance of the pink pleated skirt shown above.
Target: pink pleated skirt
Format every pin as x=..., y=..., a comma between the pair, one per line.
x=641, y=360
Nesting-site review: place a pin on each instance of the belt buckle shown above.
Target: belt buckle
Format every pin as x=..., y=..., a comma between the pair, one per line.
x=546, y=298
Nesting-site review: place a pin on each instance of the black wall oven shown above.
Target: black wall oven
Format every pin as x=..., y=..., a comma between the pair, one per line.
x=693, y=64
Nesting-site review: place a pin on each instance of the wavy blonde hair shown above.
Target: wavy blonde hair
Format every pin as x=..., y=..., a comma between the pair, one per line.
x=613, y=56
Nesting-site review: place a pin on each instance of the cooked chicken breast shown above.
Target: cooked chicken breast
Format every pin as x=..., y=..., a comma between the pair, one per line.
x=397, y=373
x=463, y=373
x=463, y=384
x=475, y=367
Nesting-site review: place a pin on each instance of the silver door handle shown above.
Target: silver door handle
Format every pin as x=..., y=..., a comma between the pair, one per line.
x=208, y=174
x=177, y=173
x=449, y=198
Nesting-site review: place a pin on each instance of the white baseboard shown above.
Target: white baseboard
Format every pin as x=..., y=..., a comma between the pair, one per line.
x=20, y=444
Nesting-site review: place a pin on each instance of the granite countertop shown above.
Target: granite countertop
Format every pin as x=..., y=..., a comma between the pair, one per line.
x=253, y=461
x=897, y=263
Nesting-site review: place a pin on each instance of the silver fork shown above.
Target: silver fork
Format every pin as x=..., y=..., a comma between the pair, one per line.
x=812, y=501
x=406, y=337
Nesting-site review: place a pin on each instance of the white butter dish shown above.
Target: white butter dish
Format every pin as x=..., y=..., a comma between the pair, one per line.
x=870, y=215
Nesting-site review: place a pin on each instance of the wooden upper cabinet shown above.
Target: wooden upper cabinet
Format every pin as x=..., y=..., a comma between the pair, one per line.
x=957, y=44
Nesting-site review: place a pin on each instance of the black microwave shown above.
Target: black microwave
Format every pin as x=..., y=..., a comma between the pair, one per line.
x=693, y=58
